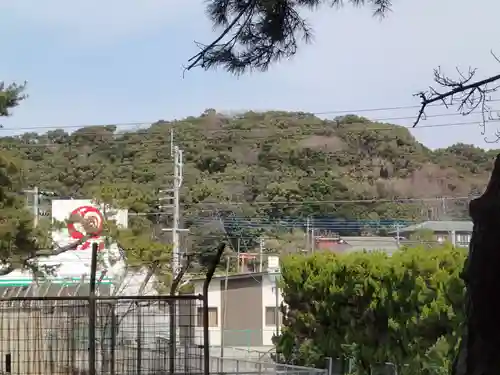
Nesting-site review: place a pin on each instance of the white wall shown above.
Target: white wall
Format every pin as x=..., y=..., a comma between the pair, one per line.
x=214, y=300
x=269, y=300
x=77, y=262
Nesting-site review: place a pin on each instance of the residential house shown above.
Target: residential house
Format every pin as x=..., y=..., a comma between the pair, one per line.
x=242, y=311
x=457, y=232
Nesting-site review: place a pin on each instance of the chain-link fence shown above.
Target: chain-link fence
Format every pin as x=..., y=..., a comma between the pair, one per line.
x=124, y=335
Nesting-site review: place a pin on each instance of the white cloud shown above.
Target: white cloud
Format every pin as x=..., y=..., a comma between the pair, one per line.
x=98, y=20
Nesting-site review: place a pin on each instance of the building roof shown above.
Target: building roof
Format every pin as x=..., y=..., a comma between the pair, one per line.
x=233, y=276
x=359, y=243
x=388, y=244
x=439, y=226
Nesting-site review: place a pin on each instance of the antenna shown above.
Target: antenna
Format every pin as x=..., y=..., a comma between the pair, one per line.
x=172, y=142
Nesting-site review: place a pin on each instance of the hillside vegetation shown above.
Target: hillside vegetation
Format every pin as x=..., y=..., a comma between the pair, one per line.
x=251, y=165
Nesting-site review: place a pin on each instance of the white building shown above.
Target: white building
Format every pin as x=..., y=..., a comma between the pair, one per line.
x=74, y=265
x=252, y=306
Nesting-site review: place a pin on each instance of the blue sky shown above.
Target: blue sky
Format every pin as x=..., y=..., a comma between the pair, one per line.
x=98, y=62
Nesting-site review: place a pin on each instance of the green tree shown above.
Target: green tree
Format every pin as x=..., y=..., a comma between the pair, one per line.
x=371, y=308
x=10, y=97
x=20, y=242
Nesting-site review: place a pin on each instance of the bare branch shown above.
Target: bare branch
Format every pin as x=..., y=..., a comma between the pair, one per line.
x=151, y=271
x=177, y=280
x=46, y=252
x=495, y=56
x=468, y=94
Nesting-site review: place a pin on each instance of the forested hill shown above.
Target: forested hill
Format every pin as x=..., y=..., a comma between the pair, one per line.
x=254, y=159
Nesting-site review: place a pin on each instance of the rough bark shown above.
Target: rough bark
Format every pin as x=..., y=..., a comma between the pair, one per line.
x=479, y=352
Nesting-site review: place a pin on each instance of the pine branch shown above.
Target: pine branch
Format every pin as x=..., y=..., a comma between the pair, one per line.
x=10, y=268
x=257, y=33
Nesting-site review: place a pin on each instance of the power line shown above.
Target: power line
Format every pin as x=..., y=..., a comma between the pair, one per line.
x=217, y=217
x=396, y=108
x=320, y=224
x=367, y=200
x=138, y=124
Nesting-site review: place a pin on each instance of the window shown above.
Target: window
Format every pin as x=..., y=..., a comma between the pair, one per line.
x=213, y=318
x=271, y=315
x=463, y=239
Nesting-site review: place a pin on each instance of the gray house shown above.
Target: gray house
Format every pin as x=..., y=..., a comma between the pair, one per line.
x=457, y=232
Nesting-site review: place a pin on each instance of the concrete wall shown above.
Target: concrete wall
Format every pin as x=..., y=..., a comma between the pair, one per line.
x=25, y=335
x=214, y=300
x=268, y=300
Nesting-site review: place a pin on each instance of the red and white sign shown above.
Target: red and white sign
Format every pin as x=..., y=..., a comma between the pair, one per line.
x=77, y=232
x=93, y=214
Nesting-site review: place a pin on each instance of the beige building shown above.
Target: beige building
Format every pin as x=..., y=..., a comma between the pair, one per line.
x=243, y=310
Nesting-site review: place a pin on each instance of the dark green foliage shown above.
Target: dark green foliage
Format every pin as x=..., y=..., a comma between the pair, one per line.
x=372, y=309
x=19, y=241
x=10, y=97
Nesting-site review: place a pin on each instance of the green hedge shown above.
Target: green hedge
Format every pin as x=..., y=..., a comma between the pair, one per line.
x=370, y=309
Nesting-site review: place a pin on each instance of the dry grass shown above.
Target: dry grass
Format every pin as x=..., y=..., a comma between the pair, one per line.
x=323, y=143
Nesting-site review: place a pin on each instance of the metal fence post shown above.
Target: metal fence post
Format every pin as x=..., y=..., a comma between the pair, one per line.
x=206, y=321
x=92, y=311
x=139, y=338
x=113, y=340
x=172, y=334
x=329, y=365
x=8, y=363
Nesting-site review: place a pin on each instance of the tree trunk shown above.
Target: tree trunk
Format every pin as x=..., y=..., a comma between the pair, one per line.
x=479, y=351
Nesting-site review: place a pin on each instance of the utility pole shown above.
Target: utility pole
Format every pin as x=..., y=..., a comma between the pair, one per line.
x=398, y=235
x=36, y=204
x=173, y=196
x=313, y=240
x=443, y=204
x=36, y=200
x=238, y=256
x=37, y=194
x=308, y=232
x=261, y=254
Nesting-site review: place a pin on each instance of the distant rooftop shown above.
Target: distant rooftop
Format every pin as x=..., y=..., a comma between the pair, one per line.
x=233, y=276
x=439, y=226
x=367, y=243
